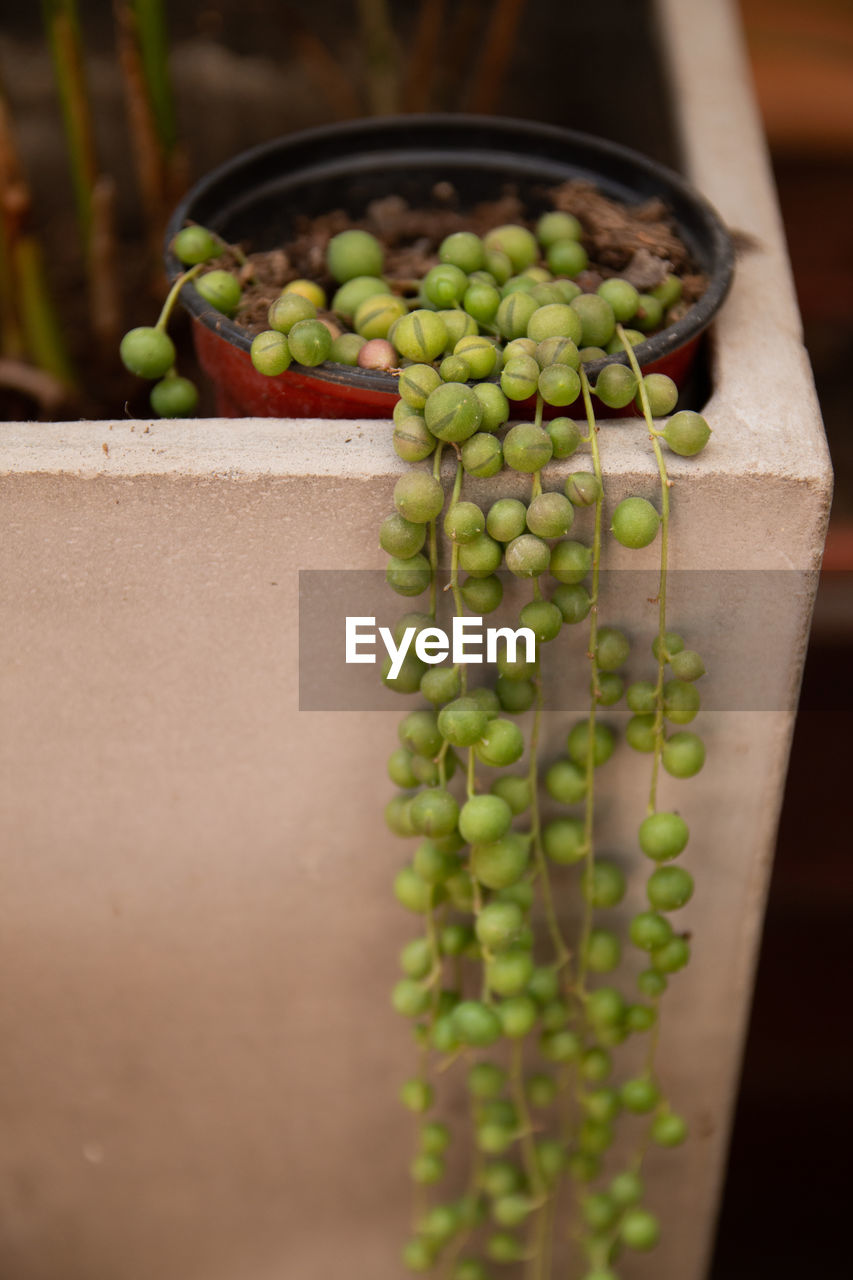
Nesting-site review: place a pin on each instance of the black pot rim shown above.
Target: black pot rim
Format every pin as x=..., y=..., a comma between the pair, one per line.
x=697, y=319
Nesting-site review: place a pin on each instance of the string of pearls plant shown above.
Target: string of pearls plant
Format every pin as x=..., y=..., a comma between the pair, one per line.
x=492, y=983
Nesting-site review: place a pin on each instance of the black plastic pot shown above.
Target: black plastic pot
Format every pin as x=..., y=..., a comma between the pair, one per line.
x=254, y=198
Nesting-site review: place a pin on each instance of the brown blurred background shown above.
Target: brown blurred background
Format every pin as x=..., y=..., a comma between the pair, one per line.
x=784, y=1204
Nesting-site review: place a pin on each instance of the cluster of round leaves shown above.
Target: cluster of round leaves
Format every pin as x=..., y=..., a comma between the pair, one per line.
x=148, y=351
x=476, y=418
x=295, y=333
x=512, y=337
x=505, y=1197
x=489, y=313
x=530, y=540
x=472, y=289
x=683, y=753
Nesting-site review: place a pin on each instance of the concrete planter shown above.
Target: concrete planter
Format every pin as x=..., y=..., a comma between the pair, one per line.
x=197, y=925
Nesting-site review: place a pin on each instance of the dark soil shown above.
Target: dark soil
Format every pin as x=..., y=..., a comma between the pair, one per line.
x=638, y=242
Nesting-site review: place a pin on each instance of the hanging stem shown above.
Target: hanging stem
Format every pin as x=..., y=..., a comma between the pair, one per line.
x=454, y=565
x=172, y=296
x=589, y=798
x=516, y=1082
x=454, y=498
x=433, y=540
x=470, y=792
x=654, y=1034
x=573, y=1082
x=530, y=1161
x=546, y=1240
x=664, y=559
x=562, y=954
x=536, y=487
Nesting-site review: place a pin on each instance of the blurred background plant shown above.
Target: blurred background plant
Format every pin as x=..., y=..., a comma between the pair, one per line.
x=109, y=111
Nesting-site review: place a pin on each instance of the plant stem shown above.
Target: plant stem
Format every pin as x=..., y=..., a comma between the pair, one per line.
x=536, y=484
x=664, y=565
x=528, y=1150
x=172, y=296
x=441, y=761
x=665, y=482
x=93, y=196
x=419, y=1196
x=530, y=1161
x=470, y=792
x=589, y=765
x=435, y=955
x=454, y=570
x=654, y=1037
x=561, y=951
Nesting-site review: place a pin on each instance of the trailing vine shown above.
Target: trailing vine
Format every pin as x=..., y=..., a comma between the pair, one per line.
x=520, y=1004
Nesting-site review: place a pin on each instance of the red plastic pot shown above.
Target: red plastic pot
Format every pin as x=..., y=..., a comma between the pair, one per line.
x=254, y=198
